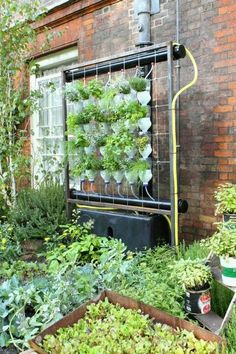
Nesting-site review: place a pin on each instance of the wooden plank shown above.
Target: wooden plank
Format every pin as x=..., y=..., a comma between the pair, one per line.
x=119, y=206
x=210, y=321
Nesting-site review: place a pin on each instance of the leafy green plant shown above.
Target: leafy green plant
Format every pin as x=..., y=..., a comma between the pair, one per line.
x=192, y=251
x=231, y=334
x=132, y=111
x=9, y=245
x=226, y=199
x=142, y=141
x=191, y=274
x=20, y=268
x=81, y=139
x=138, y=83
x=76, y=91
x=39, y=213
x=223, y=241
x=108, y=328
x=16, y=103
x=96, y=88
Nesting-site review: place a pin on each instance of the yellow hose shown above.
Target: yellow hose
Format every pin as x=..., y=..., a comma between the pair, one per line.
x=173, y=107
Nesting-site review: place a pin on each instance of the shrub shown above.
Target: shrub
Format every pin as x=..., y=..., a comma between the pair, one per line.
x=39, y=212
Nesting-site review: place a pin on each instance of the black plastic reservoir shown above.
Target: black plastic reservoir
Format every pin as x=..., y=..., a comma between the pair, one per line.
x=136, y=231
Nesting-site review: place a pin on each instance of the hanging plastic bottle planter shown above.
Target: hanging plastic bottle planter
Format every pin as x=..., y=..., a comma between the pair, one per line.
x=89, y=149
x=144, y=124
x=78, y=106
x=145, y=176
x=106, y=176
x=131, y=176
x=90, y=174
x=105, y=127
x=130, y=126
x=130, y=152
x=146, y=151
x=144, y=97
x=87, y=127
x=118, y=176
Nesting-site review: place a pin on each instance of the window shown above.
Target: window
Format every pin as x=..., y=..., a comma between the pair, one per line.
x=47, y=122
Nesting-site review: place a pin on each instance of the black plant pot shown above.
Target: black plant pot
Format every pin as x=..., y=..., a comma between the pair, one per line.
x=229, y=217
x=198, y=301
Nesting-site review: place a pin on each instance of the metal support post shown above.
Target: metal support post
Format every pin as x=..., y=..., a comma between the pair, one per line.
x=171, y=156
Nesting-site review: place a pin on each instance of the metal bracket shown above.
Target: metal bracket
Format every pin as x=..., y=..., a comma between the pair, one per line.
x=155, y=7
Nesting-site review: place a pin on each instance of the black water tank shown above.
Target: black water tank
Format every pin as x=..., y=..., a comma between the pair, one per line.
x=136, y=231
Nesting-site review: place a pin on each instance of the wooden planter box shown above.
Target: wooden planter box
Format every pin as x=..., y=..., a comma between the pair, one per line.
x=128, y=303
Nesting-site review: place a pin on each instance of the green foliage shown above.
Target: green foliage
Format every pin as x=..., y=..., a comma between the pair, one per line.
x=192, y=251
x=76, y=91
x=230, y=333
x=9, y=245
x=108, y=328
x=96, y=88
x=191, y=274
x=141, y=142
x=39, y=212
x=18, y=38
x=226, y=199
x=26, y=270
x=132, y=111
x=220, y=299
x=223, y=241
x=138, y=83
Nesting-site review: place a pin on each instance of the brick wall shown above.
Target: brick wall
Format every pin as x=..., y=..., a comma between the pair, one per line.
x=207, y=116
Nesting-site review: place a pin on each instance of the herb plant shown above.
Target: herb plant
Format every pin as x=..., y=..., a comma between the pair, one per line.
x=96, y=88
x=223, y=241
x=191, y=274
x=226, y=199
x=39, y=212
x=138, y=83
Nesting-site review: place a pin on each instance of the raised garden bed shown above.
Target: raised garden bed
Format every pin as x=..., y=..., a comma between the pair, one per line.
x=128, y=303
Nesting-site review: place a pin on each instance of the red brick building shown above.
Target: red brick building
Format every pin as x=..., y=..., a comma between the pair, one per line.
x=92, y=29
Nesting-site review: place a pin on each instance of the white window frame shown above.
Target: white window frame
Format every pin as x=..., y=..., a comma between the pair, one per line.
x=51, y=61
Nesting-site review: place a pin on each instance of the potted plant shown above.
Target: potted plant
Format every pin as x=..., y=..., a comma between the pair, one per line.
x=223, y=244
x=144, y=146
x=226, y=201
x=96, y=88
x=140, y=85
x=195, y=278
x=144, y=171
x=131, y=112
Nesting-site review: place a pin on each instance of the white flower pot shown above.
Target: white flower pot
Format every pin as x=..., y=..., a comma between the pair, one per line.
x=115, y=127
x=144, y=124
x=128, y=97
x=130, y=152
x=104, y=127
x=106, y=176
x=118, y=176
x=87, y=128
x=78, y=106
x=133, y=94
x=145, y=176
x=143, y=97
x=146, y=151
x=131, y=176
x=85, y=103
x=89, y=149
x=228, y=271
x=82, y=177
x=118, y=98
x=102, y=150
x=130, y=126
x=91, y=175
